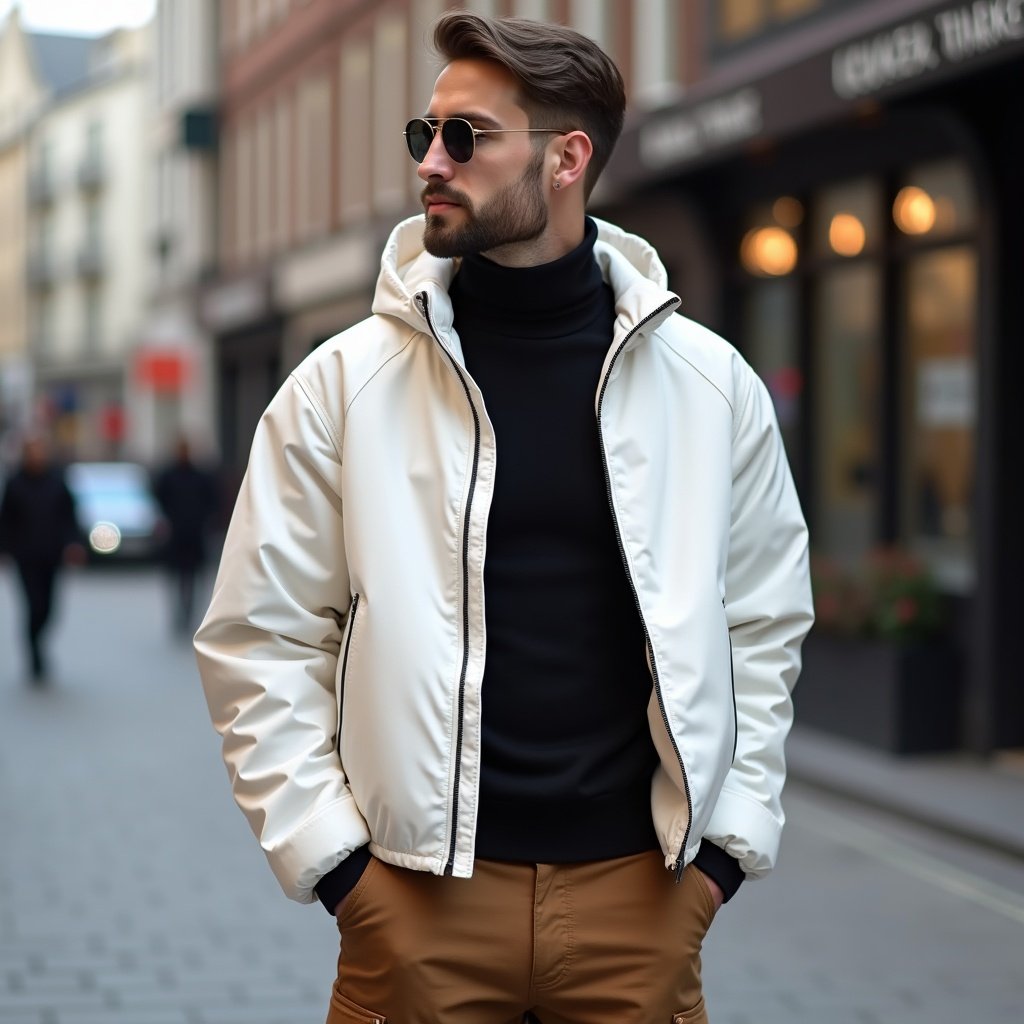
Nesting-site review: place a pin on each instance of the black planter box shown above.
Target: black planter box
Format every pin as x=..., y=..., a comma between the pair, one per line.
x=901, y=697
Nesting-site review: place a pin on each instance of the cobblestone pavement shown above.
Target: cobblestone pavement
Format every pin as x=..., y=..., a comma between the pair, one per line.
x=131, y=891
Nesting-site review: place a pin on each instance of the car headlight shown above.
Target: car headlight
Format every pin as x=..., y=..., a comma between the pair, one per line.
x=104, y=538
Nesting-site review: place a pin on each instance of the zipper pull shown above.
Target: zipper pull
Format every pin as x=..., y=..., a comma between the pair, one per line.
x=679, y=866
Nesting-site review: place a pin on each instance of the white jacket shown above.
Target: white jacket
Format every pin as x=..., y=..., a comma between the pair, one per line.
x=344, y=647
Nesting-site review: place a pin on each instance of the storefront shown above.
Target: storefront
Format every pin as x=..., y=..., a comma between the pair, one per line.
x=852, y=221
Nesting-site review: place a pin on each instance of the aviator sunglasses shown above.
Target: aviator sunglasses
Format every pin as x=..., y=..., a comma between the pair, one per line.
x=458, y=136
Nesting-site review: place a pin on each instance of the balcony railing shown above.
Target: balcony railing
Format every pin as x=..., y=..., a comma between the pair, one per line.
x=41, y=271
x=91, y=262
x=92, y=173
x=40, y=187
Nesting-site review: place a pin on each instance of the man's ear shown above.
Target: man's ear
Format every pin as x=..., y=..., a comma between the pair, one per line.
x=575, y=151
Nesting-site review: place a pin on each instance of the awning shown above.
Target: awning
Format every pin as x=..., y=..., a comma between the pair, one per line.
x=887, y=59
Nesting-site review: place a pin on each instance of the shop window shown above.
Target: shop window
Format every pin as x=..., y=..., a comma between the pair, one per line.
x=772, y=331
x=846, y=334
x=936, y=201
x=847, y=219
x=874, y=295
x=939, y=410
x=769, y=247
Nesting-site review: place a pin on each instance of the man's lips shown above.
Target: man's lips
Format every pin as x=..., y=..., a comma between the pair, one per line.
x=438, y=204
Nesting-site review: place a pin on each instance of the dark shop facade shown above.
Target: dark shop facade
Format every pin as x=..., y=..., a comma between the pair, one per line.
x=840, y=192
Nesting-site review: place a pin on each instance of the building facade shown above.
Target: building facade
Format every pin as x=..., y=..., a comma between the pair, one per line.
x=838, y=193
x=314, y=172
x=174, y=371
x=24, y=89
x=86, y=248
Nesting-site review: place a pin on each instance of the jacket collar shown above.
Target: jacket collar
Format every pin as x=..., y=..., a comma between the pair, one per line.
x=409, y=275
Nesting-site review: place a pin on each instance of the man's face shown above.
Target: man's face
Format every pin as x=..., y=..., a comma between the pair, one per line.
x=496, y=199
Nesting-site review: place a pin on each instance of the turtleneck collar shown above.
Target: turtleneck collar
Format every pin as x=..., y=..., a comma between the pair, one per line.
x=550, y=291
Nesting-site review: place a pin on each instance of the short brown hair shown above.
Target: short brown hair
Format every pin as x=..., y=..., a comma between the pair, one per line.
x=567, y=81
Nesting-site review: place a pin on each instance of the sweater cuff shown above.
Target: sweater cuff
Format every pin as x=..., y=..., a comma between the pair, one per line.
x=340, y=881
x=717, y=864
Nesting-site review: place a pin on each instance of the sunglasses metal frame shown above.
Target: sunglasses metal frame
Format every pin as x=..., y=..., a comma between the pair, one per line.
x=436, y=124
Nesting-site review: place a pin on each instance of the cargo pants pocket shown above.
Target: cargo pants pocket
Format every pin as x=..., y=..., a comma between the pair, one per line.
x=344, y=1011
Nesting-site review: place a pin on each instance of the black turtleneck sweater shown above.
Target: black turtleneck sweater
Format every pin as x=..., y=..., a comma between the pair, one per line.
x=567, y=755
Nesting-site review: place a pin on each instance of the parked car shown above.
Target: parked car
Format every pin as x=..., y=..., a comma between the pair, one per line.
x=117, y=513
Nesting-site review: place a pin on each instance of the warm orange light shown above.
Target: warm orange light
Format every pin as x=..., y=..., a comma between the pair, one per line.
x=787, y=211
x=846, y=235
x=770, y=252
x=914, y=211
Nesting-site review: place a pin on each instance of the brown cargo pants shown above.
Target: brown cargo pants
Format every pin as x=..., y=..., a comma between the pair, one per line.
x=606, y=942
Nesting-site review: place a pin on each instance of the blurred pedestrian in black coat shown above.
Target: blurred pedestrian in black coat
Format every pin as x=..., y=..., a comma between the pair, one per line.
x=187, y=497
x=39, y=531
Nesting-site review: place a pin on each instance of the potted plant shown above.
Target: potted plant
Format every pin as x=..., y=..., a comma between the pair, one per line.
x=879, y=666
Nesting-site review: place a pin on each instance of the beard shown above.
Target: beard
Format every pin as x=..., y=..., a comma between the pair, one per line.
x=516, y=213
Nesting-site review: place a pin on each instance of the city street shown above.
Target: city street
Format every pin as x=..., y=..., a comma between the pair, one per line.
x=132, y=892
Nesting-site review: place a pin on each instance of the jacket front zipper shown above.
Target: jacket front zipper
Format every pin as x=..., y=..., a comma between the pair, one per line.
x=732, y=683
x=467, y=517
x=632, y=585
x=353, y=608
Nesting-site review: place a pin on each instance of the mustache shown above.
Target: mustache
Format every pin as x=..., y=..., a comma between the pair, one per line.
x=444, y=192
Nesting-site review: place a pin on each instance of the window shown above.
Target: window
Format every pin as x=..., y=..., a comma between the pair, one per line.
x=314, y=156
x=591, y=18
x=264, y=175
x=283, y=172
x=847, y=340
x=243, y=172
x=771, y=330
x=939, y=410
x=848, y=219
x=535, y=10
x=91, y=319
x=354, y=160
x=93, y=140
x=873, y=295
x=655, y=47
x=43, y=333
x=390, y=166
x=936, y=201
x=735, y=22
x=488, y=8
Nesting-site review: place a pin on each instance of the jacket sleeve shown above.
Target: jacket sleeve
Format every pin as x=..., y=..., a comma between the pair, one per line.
x=769, y=611
x=268, y=646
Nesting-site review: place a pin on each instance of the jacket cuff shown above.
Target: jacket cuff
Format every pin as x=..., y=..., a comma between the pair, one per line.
x=716, y=864
x=340, y=881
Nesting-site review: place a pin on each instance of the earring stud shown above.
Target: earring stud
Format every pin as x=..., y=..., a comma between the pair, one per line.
x=558, y=184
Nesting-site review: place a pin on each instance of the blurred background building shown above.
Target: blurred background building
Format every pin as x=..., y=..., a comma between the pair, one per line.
x=313, y=173
x=833, y=185
x=174, y=369
x=27, y=77
x=87, y=271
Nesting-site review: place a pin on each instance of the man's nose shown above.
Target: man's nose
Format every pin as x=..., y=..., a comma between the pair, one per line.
x=437, y=163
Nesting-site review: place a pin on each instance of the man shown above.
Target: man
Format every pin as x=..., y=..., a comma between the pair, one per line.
x=39, y=531
x=187, y=497
x=511, y=604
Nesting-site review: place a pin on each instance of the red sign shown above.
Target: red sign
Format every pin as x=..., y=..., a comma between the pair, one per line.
x=161, y=370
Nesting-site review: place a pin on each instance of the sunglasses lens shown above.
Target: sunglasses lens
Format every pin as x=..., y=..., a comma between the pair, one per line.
x=457, y=136
x=418, y=136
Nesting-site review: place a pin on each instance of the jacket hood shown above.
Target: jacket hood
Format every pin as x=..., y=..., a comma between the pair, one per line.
x=628, y=264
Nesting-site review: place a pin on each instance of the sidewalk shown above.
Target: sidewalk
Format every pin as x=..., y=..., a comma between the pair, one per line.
x=981, y=801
